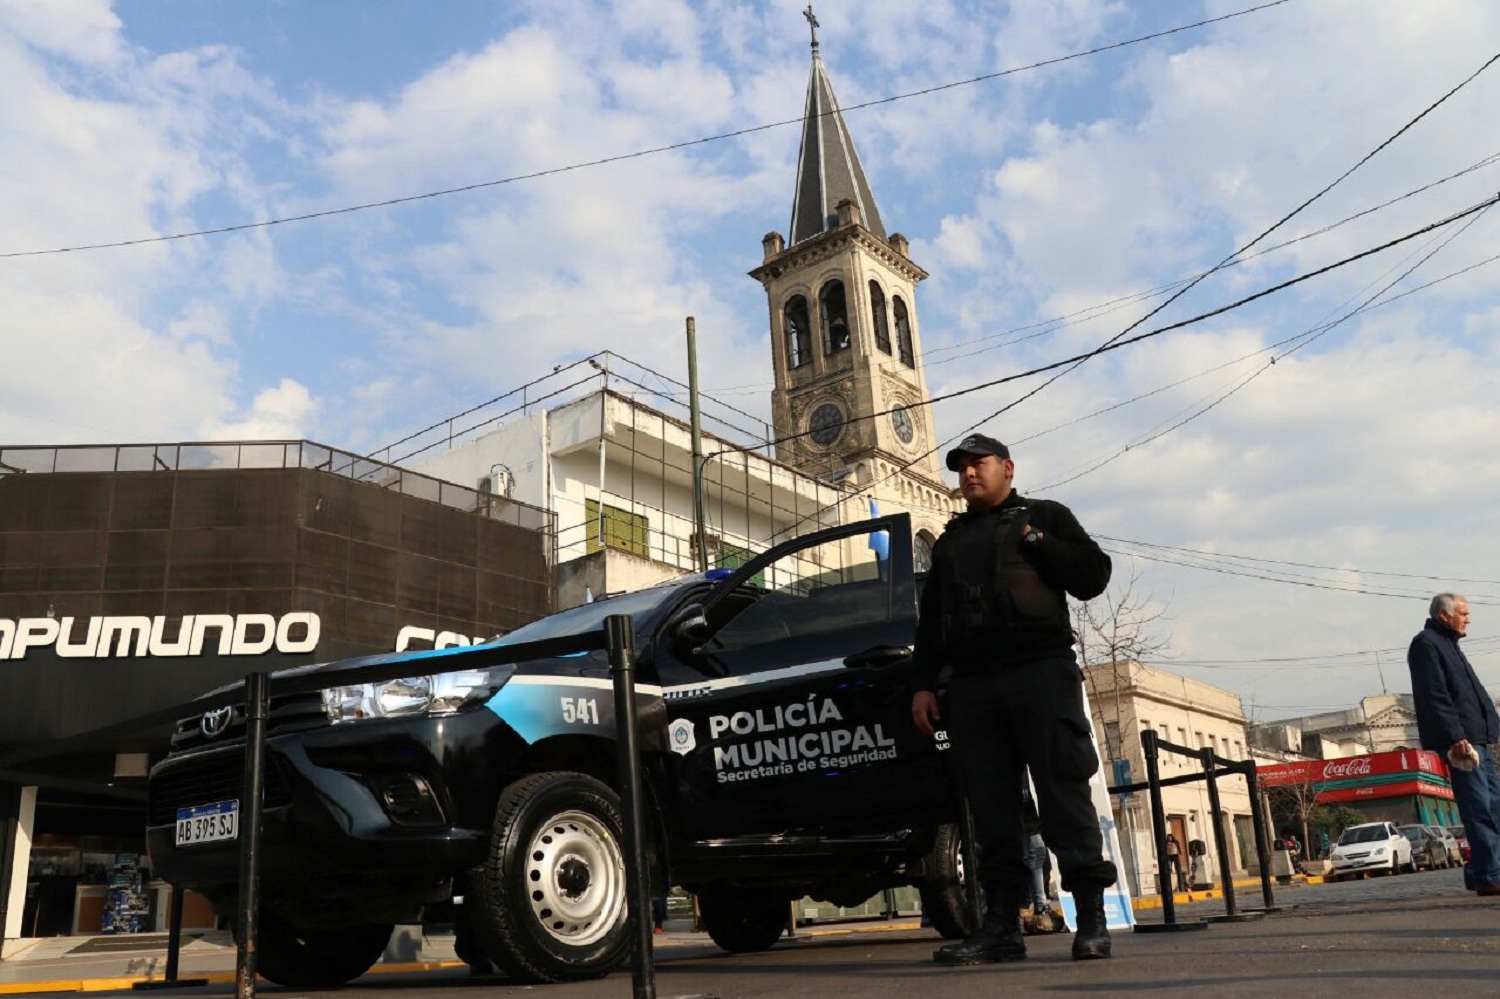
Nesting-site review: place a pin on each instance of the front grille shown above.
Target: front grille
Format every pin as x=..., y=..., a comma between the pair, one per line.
x=291, y=710
x=215, y=777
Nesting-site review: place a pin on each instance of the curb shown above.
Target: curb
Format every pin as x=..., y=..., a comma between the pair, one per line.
x=212, y=978
x=1188, y=897
x=65, y=985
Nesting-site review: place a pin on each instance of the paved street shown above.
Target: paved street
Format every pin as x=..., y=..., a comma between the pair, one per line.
x=1381, y=937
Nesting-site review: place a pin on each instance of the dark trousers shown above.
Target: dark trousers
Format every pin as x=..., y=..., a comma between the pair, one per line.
x=1002, y=723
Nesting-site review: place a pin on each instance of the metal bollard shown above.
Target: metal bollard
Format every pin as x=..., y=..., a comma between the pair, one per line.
x=1230, y=915
x=174, y=949
x=1159, y=831
x=250, y=807
x=619, y=640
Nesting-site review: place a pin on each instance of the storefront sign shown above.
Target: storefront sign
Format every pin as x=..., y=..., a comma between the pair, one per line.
x=138, y=637
x=431, y=638
x=122, y=636
x=1351, y=768
x=1397, y=789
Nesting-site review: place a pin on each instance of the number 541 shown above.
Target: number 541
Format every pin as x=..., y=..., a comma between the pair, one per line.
x=580, y=709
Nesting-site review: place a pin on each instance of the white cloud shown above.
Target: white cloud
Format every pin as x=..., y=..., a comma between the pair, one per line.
x=1035, y=195
x=279, y=413
x=85, y=30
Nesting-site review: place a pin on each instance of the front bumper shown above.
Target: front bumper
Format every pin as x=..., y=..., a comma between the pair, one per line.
x=1368, y=862
x=389, y=806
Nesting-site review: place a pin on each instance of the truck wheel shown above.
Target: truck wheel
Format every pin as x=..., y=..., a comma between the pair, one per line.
x=315, y=958
x=944, y=893
x=552, y=895
x=744, y=921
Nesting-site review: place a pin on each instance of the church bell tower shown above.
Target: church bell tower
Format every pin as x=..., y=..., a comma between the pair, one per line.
x=845, y=340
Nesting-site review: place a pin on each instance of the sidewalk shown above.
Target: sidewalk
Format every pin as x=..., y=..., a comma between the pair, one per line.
x=110, y=963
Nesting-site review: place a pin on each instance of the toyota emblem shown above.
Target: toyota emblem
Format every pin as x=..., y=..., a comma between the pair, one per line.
x=216, y=722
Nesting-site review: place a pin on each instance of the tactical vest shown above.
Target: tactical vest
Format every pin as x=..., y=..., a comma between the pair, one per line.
x=1013, y=597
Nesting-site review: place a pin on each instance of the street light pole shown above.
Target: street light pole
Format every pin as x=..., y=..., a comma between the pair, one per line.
x=700, y=530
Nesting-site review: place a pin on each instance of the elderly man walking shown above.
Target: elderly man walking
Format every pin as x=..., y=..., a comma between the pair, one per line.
x=1456, y=717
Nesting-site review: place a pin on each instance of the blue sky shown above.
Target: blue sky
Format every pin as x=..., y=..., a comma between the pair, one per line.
x=1036, y=195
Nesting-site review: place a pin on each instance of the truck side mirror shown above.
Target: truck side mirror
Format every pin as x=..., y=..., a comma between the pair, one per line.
x=687, y=625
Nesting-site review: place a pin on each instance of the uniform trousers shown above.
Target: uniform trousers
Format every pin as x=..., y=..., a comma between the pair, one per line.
x=1004, y=721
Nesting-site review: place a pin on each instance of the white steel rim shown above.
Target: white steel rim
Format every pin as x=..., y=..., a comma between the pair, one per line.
x=575, y=878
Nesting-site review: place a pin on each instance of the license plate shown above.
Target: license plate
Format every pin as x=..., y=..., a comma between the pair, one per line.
x=208, y=823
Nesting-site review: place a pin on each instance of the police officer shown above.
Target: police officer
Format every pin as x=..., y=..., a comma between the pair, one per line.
x=993, y=609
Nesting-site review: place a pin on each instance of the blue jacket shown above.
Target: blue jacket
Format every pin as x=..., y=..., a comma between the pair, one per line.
x=1452, y=704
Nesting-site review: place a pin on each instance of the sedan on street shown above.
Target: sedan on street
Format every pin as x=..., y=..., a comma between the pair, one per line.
x=1371, y=847
x=1427, y=851
x=1463, y=841
x=1450, y=843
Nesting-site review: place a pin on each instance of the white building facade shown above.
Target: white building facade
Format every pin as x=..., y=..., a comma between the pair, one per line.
x=1128, y=698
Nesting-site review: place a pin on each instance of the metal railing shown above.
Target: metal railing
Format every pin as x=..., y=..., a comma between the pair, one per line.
x=617, y=639
x=237, y=455
x=1213, y=767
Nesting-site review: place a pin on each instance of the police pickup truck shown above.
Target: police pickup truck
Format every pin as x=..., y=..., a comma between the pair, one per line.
x=779, y=757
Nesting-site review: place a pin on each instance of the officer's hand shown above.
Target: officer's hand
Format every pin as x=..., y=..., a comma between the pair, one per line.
x=924, y=710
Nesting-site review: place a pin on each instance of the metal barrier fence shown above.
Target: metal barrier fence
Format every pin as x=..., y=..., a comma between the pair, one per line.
x=1214, y=767
x=617, y=639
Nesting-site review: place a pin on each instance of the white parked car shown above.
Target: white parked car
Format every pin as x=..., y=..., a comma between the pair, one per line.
x=1373, y=846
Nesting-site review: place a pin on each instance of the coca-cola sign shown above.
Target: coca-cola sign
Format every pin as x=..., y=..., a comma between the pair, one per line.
x=1354, y=766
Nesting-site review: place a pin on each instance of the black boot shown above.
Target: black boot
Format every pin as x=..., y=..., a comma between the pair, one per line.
x=1092, y=938
x=998, y=938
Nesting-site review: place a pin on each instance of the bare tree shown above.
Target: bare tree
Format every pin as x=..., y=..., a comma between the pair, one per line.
x=1121, y=624
x=1118, y=627
x=1295, y=803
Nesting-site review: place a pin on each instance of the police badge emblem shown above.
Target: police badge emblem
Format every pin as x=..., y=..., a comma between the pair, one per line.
x=680, y=736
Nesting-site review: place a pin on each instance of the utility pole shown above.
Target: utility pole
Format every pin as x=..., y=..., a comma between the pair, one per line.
x=700, y=529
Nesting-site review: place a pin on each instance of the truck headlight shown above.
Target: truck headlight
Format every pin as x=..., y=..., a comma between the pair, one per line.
x=414, y=695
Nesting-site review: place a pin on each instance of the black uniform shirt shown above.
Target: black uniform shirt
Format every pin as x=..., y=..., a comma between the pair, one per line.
x=1065, y=557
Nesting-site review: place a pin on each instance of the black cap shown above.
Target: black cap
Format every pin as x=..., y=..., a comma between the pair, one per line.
x=975, y=444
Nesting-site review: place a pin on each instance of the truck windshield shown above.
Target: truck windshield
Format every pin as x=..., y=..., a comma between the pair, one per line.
x=590, y=617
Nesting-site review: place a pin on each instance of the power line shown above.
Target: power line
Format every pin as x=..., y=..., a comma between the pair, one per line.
x=637, y=154
x=1304, y=339
x=1047, y=326
x=1115, y=341
x=1309, y=660
x=1111, y=345
x=1303, y=582
x=1299, y=565
x=1272, y=228
x=1254, y=353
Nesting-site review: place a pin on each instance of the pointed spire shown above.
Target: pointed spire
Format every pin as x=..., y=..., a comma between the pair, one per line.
x=828, y=168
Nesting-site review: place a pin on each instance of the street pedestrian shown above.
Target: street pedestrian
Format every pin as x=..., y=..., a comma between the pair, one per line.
x=1456, y=717
x=1175, y=876
x=994, y=611
x=1036, y=860
x=658, y=913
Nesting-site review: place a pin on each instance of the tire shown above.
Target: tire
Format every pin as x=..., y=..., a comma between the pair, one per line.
x=316, y=958
x=945, y=900
x=552, y=895
x=743, y=922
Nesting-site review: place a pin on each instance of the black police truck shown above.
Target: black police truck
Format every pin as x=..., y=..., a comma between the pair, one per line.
x=779, y=758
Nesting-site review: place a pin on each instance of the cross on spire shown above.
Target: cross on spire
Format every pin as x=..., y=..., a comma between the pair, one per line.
x=812, y=24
